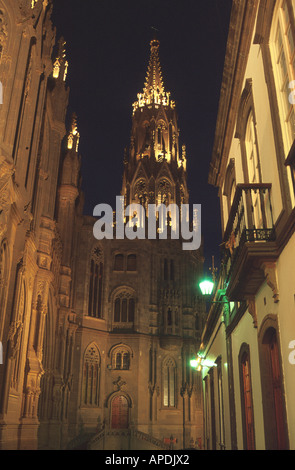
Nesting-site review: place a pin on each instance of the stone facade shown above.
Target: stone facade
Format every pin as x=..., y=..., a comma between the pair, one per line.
x=249, y=393
x=96, y=335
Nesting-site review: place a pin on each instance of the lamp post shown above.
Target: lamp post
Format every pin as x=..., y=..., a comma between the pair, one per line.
x=206, y=286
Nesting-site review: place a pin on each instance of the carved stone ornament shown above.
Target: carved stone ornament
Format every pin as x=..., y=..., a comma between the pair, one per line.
x=118, y=384
x=270, y=272
x=7, y=193
x=97, y=254
x=252, y=309
x=31, y=7
x=3, y=30
x=14, y=336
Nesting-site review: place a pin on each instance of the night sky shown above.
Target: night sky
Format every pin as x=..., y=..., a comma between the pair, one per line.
x=108, y=51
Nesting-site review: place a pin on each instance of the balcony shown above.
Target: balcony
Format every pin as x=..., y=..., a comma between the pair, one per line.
x=249, y=241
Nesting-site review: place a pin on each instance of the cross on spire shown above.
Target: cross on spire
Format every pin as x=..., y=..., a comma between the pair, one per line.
x=155, y=31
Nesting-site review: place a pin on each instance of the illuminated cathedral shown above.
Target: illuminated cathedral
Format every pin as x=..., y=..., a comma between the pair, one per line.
x=97, y=335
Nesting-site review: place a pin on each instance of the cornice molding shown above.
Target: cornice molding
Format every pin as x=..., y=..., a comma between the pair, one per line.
x=241, y=29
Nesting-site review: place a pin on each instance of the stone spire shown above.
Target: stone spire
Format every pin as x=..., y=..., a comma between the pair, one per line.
x=154, y=79
x=154, y=91
x=154, y=168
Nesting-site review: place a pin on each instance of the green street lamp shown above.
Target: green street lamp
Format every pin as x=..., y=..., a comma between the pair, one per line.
x=206, y=287
x=200, y=362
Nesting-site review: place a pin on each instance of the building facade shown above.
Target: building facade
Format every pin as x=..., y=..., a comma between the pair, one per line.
x=250, y=330
x=97, y=334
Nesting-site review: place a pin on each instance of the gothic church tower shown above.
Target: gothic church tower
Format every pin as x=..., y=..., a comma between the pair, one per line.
x=96, y=336
x=155, y=169
x=137, y=306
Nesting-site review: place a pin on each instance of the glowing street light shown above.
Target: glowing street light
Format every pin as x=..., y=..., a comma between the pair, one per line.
x=206, y=287
x=201, y=362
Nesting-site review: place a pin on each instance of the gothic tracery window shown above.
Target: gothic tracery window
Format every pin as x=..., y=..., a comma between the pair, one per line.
x=95, y=284
x=124, y=308
x=121, y=358
x=164, y=192
x=141, y=193
x=91, y=376
x=169, y=383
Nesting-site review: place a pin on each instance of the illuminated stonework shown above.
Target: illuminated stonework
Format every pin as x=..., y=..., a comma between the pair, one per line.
x=74, y=136
x=66, y=301
x=155, y=160
x=61, y=65
x=154, y=92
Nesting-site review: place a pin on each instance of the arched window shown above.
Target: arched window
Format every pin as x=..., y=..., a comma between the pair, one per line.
x=124, y=308
x=252, y=151
x=141, y=193
x=272, y=385
x=120, y=412
x=253, y=168
x=131, y=263
x=169, y=383
x=283, y=59
x=247, y=399
x=164, y=191
x=95, y=285
x=119, y=263
x=171, y=320
x=91, y=377
x=230, y=184
x=121, y=358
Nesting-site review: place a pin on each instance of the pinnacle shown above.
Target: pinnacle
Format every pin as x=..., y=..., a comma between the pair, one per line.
x=154, y=79
x=153, y=92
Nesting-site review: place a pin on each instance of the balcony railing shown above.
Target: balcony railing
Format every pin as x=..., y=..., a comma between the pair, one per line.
x=250, y=220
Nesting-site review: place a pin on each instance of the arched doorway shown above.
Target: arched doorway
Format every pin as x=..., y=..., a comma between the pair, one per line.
x=274, y=407
x=120, y=412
